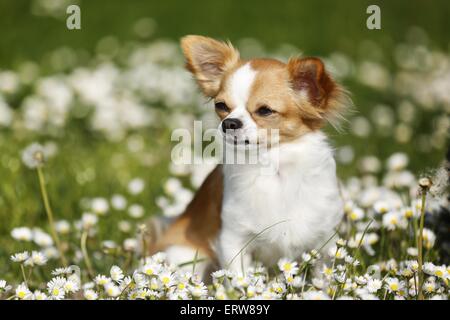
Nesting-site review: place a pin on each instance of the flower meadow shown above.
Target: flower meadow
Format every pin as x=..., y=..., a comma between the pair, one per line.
x=85, y=162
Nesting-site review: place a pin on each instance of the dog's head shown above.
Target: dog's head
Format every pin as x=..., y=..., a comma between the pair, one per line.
x=254, y=96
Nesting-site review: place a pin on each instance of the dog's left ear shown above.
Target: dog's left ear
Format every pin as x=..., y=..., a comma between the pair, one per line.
x=208, y=59
x=318, y=95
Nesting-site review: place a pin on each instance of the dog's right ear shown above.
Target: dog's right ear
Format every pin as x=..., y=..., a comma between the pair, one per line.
x=208, y=59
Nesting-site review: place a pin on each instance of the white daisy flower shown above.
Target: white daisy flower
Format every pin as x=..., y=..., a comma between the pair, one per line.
x=61, y=271
x=429, y=268
x=62, y=226
x=381, y=207
x=240, y=280
x=118, y=202
x=90, y=294
x=166, y=279
x=429, y=286
x=159, y=257
x=440, y=272
x=56, y=292
x=22, y=292
x=315, y=295
x=356, y=214
x=4, y=287
x=397, y=161
x=130, y=244
x=198, y=291
x=373, y=285
x=41, y=238
x=88, y=220
x=22, y=234
x=20, y=257
x=71, y=286
x=393, y=284
x=140, y=280
x=287, y=266
x=393, y=220
x=338, y=253
x=36, y=259
x=116, y=273
x=413, y=252
x=33, y=156
x=102, y=280
x=429, y=238
x=99, y=206
x=39, y=295
x=124, y=226
x=112, y=290
x=151, y=269
x=218, y=274
x=156, y=284
x=136, y=211
x=136, y=186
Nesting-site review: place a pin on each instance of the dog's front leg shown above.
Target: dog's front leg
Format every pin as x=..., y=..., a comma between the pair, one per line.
x=232, y=252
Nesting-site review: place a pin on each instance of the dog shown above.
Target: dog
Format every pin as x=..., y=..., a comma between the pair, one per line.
x=239, y=214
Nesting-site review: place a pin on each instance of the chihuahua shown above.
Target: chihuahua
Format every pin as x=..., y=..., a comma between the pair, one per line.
x=239, y=214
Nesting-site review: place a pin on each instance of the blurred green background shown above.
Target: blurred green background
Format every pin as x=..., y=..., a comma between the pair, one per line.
x=317, y=27
x=34, y=30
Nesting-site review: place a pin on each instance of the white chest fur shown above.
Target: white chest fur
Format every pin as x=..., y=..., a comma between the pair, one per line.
x=298, y=206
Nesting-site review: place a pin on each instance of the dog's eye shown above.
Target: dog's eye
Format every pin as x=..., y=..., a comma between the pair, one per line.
x=221, y=106
x=264, y=111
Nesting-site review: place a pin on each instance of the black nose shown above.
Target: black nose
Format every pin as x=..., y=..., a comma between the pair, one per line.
x=231, y=124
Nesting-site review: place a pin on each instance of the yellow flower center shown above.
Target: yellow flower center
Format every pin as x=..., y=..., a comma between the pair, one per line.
x=21, y=294
x=439, y=273
x=165, y=280
x=394, y=286
x=55, y=291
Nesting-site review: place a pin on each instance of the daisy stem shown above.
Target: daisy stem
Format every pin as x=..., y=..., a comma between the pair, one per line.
x=29, y=274
x=251, y=240
x=420, y=243
x=49, y=212
x=23, y=274
x=84, y=251
x=128, y=260
x=144, y=247
x=195, y=261
x=415, y=283
x=304, y=279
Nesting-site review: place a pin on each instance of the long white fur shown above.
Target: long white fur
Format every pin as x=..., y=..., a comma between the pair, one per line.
x=300, y=204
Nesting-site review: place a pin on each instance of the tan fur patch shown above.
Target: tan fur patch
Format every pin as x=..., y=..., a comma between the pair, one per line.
x=199, y=225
